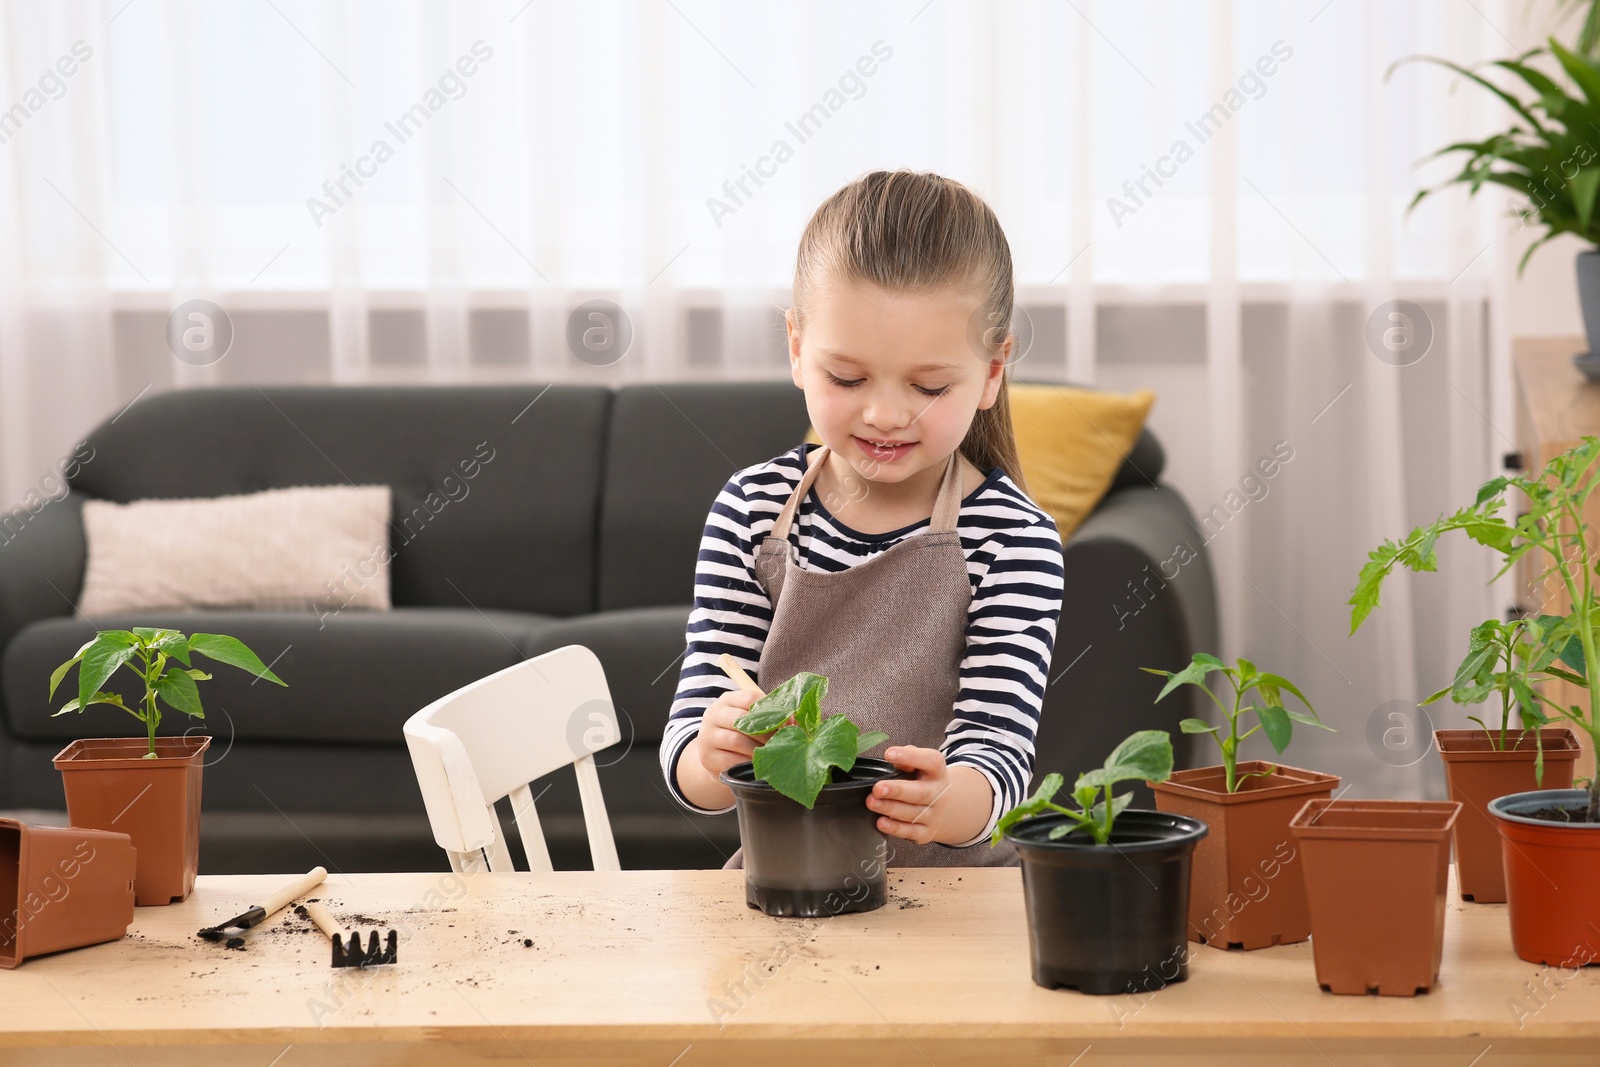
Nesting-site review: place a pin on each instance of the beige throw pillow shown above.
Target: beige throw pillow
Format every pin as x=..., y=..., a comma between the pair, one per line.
x=302, y=548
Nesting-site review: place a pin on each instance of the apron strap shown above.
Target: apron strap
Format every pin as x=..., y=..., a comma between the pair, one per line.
x=946, y=508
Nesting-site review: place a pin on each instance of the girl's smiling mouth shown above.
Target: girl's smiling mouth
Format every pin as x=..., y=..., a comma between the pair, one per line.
x=886, y=452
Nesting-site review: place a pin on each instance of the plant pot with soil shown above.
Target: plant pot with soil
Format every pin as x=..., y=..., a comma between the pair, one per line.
x=1106, y=888
x=1376, y=873
x=146, y=788
x=1551, y=851
x=61, y=887
x=811, y=845
x=1248, y=890
x=1506, y=660
x=1551, y=530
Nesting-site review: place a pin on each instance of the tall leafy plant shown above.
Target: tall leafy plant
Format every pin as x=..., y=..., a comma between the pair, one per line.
x=1552, y=531
x=1272, y=715
x=149, y=653
x=1550, y=156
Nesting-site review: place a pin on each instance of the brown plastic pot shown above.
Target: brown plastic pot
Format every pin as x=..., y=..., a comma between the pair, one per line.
x=1248, y=890
x=1477, y=773
x=110, y=786
x=1375, y=881
x=1552, y=871
x=60, y=888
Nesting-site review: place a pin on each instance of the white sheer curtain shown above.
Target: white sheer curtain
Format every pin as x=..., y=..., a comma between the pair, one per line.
x=1203, y=198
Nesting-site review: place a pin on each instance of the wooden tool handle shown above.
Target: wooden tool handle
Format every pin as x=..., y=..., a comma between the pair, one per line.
x=736, y=672
x=324, y=920
x=297, y=888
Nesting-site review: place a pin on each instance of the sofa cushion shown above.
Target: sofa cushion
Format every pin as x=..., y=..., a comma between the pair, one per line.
x=277, y=550
x=671, y=448
x=353, y=677
x=496, y=488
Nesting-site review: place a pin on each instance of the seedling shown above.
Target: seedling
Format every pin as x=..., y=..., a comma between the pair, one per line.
x=1510, y=658
x=1145, y=755
x=145, y=651
x=1273, y=717
x=1553, y=531
x=798, y=759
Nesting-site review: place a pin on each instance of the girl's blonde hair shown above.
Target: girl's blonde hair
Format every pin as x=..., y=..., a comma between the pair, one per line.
x=916, y=231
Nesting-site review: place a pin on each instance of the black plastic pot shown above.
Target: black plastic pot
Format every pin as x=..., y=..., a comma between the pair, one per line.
x=1110, y=918
x=827, y=860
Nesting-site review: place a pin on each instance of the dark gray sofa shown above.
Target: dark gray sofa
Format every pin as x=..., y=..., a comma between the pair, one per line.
x=582, y=528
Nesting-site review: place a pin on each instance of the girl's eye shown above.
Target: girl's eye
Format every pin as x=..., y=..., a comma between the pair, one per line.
x=850, y=383
x=933, y=392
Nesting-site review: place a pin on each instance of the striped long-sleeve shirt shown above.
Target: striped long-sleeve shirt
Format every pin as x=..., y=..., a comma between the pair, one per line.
x=1013, y=555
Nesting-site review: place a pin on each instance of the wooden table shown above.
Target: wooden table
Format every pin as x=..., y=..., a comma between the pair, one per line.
x=671, y=968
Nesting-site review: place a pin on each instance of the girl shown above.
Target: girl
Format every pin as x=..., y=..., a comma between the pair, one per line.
x=901, y=558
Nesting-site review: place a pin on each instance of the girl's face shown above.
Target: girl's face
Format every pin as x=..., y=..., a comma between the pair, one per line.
x=893, y=380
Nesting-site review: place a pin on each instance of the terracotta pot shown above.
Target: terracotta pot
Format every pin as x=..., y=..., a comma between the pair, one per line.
x=824, y=860
x=1375, y=875
x=1476, y=774
x=1552, y=878
x=60, y=888
x=156, y=802
x=1110, y=918
x=1248, y=889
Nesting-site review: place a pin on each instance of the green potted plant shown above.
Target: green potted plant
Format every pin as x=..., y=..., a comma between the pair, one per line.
x=811, y=845
x=148, y=788
x=1507, y=660
x=1550, y=838
x=1550, y=156
x=1249, y=890
x=1106, y=886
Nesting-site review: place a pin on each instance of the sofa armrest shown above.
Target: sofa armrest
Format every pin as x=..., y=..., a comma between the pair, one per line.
x=1138, y=592
x=41, y=564
x=1156, y=522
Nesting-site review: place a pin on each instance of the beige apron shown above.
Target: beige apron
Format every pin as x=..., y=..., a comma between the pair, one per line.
x=889, y=634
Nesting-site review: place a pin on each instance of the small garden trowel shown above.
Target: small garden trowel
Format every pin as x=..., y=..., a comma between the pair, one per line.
x=260, y=912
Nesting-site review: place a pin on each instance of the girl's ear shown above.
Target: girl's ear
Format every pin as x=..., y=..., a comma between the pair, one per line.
x=791, y=320
x=996, y=373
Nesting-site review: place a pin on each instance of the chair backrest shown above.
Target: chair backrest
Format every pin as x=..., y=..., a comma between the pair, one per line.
x=488, y=740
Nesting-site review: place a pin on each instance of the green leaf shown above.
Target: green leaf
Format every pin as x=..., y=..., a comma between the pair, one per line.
x=809, y=714
x=773, y=710
x=1146, y=755
x=870, y=740
x=1275, y=721
x=176, y=687
x=798, y=765
x=1118, y=805
x=1278, y=681
x=1311, y=720
x=109, y=650
x=61, y=672
x=1040, y=801
x=1196, y=726
x=233, y=652
x=1199, y=666
x=98, y=698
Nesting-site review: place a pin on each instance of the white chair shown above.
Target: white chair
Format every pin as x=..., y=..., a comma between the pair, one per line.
x=488, y=740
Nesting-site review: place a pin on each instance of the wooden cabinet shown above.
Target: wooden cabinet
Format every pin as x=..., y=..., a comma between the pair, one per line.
x=1556, y=408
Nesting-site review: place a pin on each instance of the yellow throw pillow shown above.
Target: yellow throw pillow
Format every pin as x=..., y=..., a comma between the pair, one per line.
x=1071, y=443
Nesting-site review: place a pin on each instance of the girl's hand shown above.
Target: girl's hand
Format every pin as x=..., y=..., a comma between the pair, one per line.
x=914, y=809
x=721, y=745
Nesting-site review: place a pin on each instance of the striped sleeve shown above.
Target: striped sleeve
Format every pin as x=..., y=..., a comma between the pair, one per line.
x=1011, y=631
x=731, y=614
